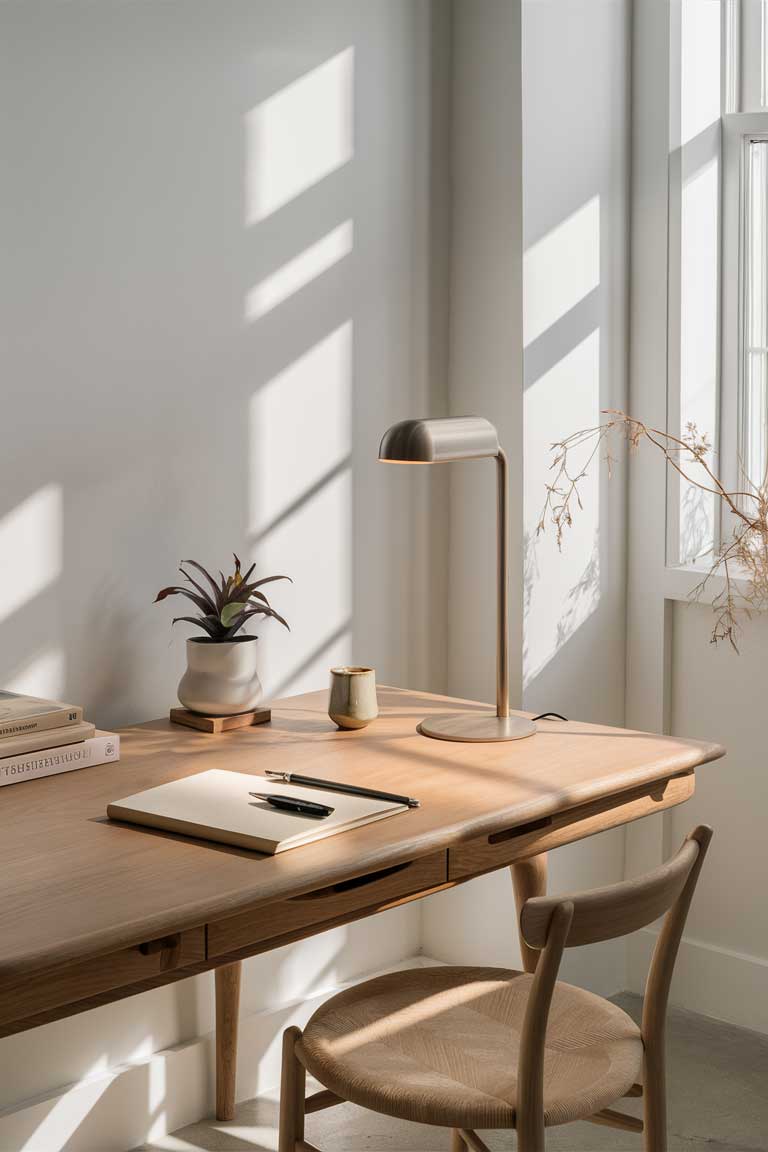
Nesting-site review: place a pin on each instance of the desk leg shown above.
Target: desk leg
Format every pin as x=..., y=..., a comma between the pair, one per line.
x=529, y=878
x=227, y=1012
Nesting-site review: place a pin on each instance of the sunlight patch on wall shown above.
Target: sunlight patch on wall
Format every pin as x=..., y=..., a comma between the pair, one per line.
x=296, y=273
x=31, y=549
x=299, y=135
x=67, y=1115
x=301, y=426
x=301, y=508
x=314, y=545
x=42, y=675
x=560, y=269
x=561, y=589
x=157, y=1090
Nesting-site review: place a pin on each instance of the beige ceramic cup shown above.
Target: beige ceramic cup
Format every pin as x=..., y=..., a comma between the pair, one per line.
x=353, y=702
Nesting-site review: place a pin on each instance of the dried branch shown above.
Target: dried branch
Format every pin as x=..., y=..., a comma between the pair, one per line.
x=744, y=556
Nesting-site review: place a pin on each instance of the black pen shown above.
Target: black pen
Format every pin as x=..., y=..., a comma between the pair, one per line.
x=335, y=786
x=294, y=804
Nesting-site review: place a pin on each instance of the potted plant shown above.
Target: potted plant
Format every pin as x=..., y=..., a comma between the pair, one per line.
x=222, y=676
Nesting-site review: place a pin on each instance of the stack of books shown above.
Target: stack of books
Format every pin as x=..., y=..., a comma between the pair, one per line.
x=44, y=737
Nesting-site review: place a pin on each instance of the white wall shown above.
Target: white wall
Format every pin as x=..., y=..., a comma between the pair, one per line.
x=162, y=163
x=541, y=382
x=718, y=695
x=155, y=176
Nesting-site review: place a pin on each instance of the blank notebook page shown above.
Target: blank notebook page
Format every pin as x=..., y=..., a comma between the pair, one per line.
x=216, y=805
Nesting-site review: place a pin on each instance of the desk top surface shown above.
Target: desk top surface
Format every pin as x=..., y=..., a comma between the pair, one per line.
x=73, y=883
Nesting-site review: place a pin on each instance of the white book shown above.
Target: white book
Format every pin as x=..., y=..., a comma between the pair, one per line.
x=217, y=805
x=101, y=748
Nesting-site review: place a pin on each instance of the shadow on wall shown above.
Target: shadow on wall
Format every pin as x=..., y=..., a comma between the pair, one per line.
x=208, y=260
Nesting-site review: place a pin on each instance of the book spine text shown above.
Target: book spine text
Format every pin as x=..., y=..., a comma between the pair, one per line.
x=100, y=749
x=24, y=725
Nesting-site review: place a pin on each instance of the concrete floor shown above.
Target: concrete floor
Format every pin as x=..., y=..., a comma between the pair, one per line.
x=718, y=1089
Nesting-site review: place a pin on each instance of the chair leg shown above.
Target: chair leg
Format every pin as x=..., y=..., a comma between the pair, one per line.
x=654, y=1099
x=457, y=1144
x=292, y=1088
x=530, y=1139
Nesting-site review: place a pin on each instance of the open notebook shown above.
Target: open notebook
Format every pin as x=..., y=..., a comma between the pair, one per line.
x=216, y=805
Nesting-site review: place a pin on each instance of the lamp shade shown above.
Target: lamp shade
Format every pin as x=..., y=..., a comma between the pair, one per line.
x=438, y=441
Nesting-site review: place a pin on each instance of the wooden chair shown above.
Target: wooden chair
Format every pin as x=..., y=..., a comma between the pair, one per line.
x=467, y=1048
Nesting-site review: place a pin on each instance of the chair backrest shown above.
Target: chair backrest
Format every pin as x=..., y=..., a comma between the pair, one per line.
x=617, y=909
x=549, y=924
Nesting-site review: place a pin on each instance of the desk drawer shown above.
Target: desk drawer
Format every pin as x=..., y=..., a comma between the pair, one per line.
x=508, y=845
x=344, y=901
x=51, y=988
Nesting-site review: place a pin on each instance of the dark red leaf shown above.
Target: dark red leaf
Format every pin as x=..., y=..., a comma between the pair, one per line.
x=209, y=578
x=262, y=611
x=209, y=624
x=166, y=592
x=200, y=589
x=201, y=602
x=268, y=579
x=260, y=596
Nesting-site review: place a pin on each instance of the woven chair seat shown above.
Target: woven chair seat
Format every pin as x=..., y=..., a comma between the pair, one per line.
x=440, y=1046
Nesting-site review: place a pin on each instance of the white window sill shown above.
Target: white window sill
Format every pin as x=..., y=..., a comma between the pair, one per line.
x=681, y=580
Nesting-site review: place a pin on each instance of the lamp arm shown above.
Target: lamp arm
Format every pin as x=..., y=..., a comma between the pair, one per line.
x=502, y=581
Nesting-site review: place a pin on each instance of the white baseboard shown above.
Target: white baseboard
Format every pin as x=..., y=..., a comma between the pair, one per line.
x=131, y=1104
x=712, y=981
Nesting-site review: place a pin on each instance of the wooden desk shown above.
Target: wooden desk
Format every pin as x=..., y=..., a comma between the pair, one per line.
x=93, y=911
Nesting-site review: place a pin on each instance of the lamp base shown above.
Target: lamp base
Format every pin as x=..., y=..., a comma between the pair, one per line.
x=476, y=727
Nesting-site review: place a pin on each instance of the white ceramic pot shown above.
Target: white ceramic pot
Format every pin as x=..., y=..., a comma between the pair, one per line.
x=221, y=678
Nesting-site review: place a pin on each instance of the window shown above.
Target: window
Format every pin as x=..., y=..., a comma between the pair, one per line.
x=718, y=259
x=754, y=334
x=745, y=301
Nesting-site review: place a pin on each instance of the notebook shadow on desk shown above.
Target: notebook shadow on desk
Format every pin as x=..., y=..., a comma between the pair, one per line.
x=196, y=841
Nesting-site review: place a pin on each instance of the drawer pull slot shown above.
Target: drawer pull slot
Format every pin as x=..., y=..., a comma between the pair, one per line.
x=520, y=830
x=496, y=850
x=150, y=947
x=330, y=903
x=355, y=882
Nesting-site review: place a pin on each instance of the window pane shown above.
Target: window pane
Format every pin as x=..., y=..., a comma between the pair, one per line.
x=756, y=312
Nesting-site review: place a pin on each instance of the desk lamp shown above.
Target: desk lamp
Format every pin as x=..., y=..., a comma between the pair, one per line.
x=438, y=442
